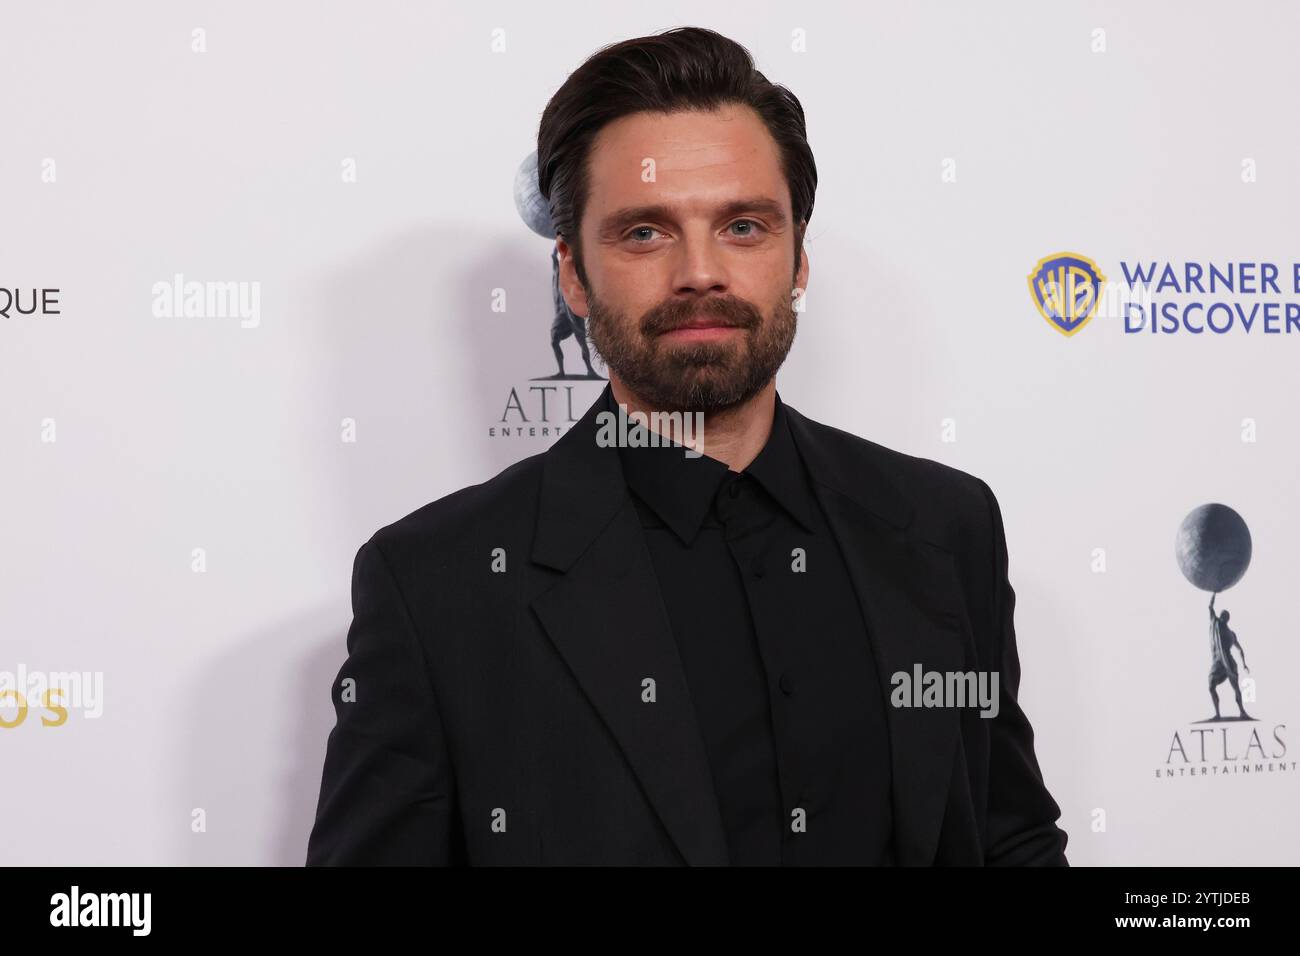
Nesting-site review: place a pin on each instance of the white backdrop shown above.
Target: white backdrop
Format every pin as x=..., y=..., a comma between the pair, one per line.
x=957, y=144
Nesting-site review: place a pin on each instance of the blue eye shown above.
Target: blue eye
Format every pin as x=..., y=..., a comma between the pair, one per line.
x=637, y=235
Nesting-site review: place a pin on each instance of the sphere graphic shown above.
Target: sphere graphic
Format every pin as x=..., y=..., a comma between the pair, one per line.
x=1213, y=547
x=533, y=208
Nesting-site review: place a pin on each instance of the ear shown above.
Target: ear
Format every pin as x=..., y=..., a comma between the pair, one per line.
x=575, y=296
x=801, y=273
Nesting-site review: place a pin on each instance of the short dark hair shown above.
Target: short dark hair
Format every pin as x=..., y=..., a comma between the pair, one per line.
x=687, y=68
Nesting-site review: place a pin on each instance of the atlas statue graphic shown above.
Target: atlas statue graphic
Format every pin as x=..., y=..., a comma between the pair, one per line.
x=1213, y=550
x=536, y=214
x=1222, y=666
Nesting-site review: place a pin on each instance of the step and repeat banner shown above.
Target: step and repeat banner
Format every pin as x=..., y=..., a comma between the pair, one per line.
x=274, y=275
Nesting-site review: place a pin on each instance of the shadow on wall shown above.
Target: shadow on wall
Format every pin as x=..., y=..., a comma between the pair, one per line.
x=260, y=813
x=424, y=366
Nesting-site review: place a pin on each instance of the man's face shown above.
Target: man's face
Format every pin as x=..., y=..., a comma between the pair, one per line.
x=690, y=261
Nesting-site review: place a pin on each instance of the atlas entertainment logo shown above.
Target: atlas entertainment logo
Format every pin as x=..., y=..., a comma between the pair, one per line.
x=530, y=409
x=1213, y=549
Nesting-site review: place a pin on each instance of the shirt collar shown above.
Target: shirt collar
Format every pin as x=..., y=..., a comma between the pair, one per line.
x=780, y=470
x=681, y=489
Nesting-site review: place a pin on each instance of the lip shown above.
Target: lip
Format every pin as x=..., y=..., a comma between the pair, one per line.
x=700, y=330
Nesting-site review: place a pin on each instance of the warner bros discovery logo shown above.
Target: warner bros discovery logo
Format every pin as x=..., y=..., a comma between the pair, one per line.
x=1066, y=289
x=1213, y=549
x=1164, y=298
x=546, y=410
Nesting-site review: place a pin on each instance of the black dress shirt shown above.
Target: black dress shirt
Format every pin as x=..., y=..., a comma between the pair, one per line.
x=777, y=659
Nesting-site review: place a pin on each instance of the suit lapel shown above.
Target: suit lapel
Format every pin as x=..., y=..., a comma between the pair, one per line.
x=607, y=619
x=908, y=593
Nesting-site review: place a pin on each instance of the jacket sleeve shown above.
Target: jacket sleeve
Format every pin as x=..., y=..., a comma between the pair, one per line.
x=387, y=792
x=1022, y=815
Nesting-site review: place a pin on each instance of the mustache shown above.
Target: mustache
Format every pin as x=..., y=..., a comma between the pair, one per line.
x=727, y=310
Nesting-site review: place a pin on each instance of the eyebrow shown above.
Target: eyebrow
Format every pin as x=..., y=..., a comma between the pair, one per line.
x=625, y=218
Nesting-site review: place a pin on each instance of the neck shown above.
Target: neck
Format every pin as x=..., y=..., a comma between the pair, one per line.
x=733, y=436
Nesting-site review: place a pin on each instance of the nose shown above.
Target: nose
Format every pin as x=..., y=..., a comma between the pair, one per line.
x=700, y=266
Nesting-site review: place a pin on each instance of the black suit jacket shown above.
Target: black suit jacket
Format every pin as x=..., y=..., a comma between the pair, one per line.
x=501, y=636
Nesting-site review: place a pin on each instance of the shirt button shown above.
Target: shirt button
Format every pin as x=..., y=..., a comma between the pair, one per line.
x=787, y=684
x=757, y=568
x=734, y=490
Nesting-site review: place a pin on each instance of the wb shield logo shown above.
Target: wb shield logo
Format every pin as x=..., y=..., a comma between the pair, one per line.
x=1066, y=289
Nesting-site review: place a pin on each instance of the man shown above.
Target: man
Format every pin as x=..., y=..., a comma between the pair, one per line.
x=649, y=655
x=1222, y=665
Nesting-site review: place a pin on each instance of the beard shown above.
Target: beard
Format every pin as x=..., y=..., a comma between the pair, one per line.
x=693, y=376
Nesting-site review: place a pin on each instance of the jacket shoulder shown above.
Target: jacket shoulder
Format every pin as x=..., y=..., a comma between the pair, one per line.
x=951, y=510
x=947, y=503
x=497, y=509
